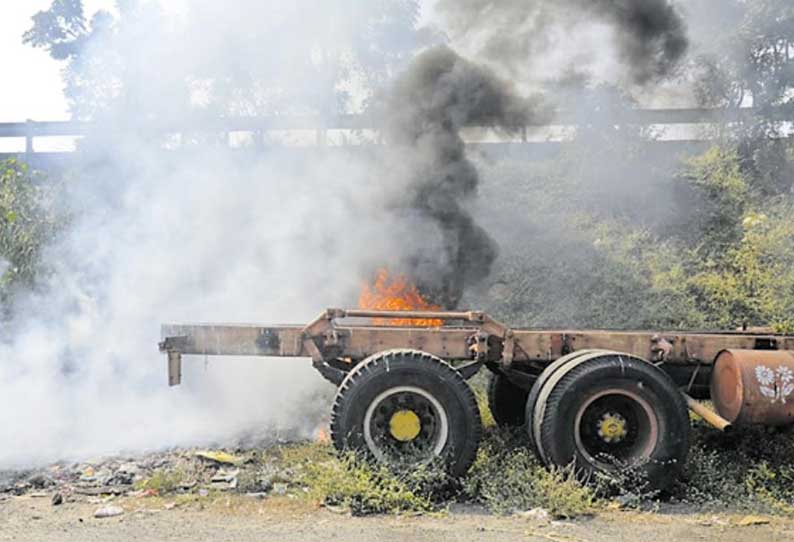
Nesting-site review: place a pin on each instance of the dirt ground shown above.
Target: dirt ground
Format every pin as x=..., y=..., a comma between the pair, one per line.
x=246, y=519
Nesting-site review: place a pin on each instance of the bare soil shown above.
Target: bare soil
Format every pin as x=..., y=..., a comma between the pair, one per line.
x=239, y=518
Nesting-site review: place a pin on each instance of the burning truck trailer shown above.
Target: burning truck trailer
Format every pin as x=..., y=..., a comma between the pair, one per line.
x=601, y=400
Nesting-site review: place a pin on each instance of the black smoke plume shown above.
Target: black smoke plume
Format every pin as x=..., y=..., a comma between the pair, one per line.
x=650, y=35
x=427, y=107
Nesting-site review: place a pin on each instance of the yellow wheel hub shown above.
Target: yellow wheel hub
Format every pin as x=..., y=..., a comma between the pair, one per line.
x=405, y=425
x=612, y=427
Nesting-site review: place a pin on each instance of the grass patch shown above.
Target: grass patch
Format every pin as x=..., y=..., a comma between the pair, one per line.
x=750, y=470
x=349, y=483
x=507, y=478
x=363, y=488
x=162, y=481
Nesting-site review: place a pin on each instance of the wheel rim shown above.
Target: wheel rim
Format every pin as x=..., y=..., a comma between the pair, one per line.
x=616, y=427
x=406, y=424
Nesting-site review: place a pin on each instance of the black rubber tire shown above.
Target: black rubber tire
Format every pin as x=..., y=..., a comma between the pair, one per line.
x=578, y=384
x=532, y=398
x=398, y=368
x=506, y=401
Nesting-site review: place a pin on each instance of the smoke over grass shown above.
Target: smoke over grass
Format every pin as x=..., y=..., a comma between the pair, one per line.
x=201, y=232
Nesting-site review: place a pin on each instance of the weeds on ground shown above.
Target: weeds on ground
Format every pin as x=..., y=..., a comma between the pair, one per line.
x=749, y=470
x=162, y=481
x=507, y=478
x=362, y=487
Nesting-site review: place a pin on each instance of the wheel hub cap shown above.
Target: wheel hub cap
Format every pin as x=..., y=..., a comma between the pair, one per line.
x=405, y=425
x=612, y=427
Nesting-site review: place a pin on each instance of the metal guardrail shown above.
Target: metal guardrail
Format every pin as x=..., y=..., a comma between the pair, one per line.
x=641, y=117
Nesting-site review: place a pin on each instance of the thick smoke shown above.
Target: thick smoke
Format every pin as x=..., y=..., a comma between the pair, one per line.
x=553, y=39
x=205, y=234
x=426, y=110
x=197, y=233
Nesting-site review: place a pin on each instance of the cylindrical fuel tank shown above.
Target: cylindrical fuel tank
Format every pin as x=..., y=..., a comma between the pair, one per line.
x=754, y=386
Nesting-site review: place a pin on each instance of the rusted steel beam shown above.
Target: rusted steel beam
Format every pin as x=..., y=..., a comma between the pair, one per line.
x=480, y=337
x=470, y=316
x=233, y=340
x=673, y=347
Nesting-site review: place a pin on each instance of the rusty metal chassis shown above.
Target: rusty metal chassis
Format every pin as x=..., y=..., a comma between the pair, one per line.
x=477, y=340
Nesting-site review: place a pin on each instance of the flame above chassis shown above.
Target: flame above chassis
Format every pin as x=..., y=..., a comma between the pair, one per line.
x=396, y=293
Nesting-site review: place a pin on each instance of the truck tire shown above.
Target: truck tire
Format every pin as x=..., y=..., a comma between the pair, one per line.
x=534, y=393
x=609, y=412
x=506, y=401
x=405, y=407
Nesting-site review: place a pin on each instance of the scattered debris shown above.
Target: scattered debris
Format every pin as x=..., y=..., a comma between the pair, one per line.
x=103, y=490
x=747, y=521
x=220, y=457
x=536, y=514
x=280, y=489
x=108, y=512
x=257, y=495
x=154, y=474
x=712, y=521
x=225, y=479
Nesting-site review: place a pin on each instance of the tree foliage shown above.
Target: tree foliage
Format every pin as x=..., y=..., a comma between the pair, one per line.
x=28, y=222
x=274, y=60
x=751, y=56
x=722, y=257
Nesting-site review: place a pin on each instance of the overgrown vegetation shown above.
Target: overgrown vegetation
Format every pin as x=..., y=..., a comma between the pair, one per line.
x=507, y=478
x=712, y=249
x=162, y=482
x=729, y=264
x=28, y=222
x=749, y=472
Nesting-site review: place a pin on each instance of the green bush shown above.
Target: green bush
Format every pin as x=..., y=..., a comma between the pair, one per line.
x=507, y=478
x=749, y=470
x=28, y=221
x=365, y=488
x=719, y=255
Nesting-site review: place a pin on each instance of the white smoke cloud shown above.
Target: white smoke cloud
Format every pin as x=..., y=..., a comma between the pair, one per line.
x=209, y=235
x=191, y=235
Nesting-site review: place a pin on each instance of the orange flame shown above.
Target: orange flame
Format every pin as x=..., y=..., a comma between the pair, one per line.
x=396, y=294
x=321, y=435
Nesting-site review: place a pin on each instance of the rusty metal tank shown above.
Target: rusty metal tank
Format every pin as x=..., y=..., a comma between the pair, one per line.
x=754, y=386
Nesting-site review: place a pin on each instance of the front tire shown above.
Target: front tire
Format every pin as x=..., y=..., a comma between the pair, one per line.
x=405, y=407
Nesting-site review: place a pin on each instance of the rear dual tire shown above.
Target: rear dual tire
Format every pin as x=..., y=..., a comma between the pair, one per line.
x=607, y=411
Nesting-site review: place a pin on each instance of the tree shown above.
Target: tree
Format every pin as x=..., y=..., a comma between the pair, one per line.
x=28, y=221
x=234, y=58
x=752, y=63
